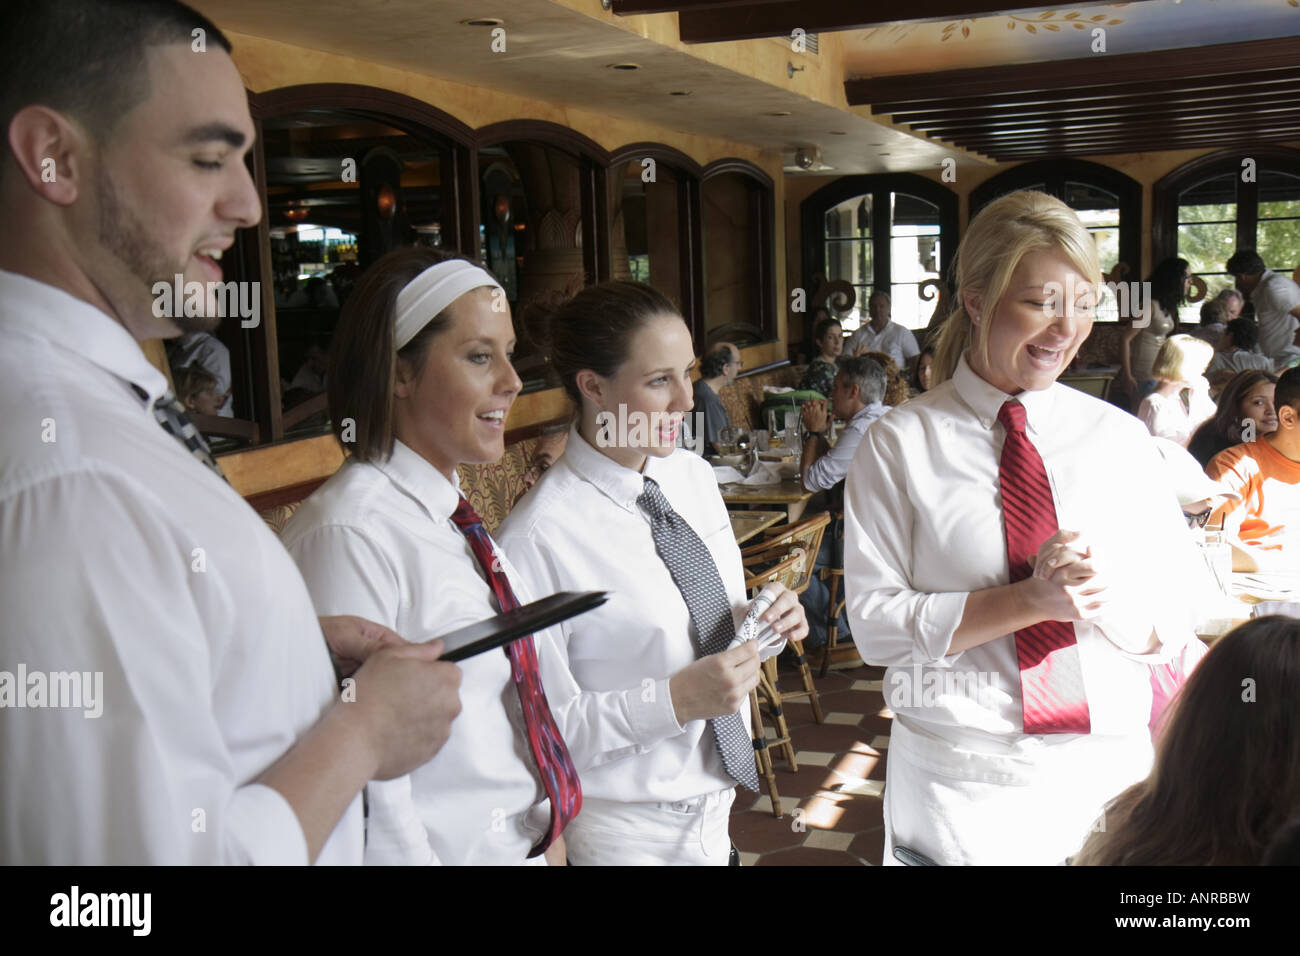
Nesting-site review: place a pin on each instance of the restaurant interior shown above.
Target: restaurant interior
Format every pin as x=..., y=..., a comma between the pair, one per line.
x=765, y=164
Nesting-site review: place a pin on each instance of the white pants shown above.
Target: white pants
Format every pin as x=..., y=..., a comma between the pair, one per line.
x=689, y=833
x=959, y=807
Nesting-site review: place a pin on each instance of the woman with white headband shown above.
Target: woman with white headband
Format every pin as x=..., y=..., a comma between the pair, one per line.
x=420, y=381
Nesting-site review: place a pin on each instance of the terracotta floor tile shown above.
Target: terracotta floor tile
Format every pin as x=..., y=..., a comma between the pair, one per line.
x=754, y=832
x=805, y=856
x=869, y=846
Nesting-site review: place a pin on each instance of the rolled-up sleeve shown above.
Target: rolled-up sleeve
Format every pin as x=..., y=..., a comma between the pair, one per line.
x=892, y=622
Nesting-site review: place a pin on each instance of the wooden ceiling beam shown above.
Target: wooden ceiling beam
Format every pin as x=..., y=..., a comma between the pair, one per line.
x=1226, y=114
x=825, y=16
x=1225, y=60
x=1247, y=98
x=627, y=8
x=1245, y=140
x=1130, y=131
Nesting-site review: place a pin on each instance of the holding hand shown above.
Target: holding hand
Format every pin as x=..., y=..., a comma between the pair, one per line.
x=786, y=615
x=715, y=685
x=1065, y=585
x=352, y=639
x=404, y=702
x=815, y=416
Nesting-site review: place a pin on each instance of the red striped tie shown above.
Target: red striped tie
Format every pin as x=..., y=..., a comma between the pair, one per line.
x=551, y=756
x=1051, y=678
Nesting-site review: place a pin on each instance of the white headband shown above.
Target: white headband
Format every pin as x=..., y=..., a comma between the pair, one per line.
x=432, y=291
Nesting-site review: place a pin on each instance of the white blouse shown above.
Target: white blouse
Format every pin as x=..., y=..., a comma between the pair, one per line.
x=377, y=540
x=606, y=672
x=1165, y=416
x=923, y=529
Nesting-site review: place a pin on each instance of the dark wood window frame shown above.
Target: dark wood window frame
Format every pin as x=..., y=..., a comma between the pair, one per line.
x=1167, y=189
x=812, y=216
x=763, y=247
x=1053, y=174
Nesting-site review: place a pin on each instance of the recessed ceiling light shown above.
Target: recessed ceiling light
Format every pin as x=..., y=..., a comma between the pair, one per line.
x=483, y=22
x=838, y=132
x=884, y=154
x=778, y=113
x=624, y=66
x=680, y=93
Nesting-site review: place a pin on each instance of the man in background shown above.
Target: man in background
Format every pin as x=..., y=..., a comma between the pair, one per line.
x=1277, y=304
x=882, y=334
x=718, y=369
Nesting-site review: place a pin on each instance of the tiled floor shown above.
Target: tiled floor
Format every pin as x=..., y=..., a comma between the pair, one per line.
x=832, y=804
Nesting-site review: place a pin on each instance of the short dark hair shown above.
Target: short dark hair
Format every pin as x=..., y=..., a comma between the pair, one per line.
x=594, y=329
x=1244, y=332
x=1288, y=389
x=716, y=361
x=824, y=325
x=86, y=58
x=867, y=374
x=362, y=364
x=191, y=380
x=1245, y=262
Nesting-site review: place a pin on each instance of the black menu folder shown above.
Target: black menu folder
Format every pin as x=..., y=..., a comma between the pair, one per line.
x=512, y=625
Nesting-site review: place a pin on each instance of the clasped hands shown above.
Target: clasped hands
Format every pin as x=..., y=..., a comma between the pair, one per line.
x=1066, y=584
x=816, y=417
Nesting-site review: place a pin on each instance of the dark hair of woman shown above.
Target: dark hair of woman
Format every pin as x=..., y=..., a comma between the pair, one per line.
x=1224, y=429
x=915, y=379
x=1226, y=778
x=362, y=366
x=594, y=329
x=1169, y=284
x=823, y=327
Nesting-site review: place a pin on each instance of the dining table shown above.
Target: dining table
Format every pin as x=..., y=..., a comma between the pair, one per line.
x=789, y=493
x=749, y=524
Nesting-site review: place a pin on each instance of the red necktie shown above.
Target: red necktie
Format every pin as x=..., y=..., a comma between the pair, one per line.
x=549, y=753
x=1051, y=678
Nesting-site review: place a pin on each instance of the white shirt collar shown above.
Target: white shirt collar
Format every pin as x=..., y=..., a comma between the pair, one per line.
x=617, y=482
x=416, y=477
x=874, y=410
x=986, y=400
x=31, y=307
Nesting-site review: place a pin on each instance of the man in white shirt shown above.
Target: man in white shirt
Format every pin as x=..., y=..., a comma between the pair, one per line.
x=196, y=719
x=1277, y=304
x=856, y=399
x=883, y=335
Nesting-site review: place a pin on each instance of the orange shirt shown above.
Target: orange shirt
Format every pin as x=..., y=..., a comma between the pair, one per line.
x=1269, y=485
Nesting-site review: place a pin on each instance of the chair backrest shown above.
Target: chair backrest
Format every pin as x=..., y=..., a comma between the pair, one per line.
x=800, y=541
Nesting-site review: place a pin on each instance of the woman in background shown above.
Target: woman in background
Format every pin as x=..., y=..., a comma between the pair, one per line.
x=651, y=701
x=1179, y=368
x=1245, y=412
x=923, y=373
x=1143, y=337
x=896, y=390
x=820, y=375
x=1226, y=778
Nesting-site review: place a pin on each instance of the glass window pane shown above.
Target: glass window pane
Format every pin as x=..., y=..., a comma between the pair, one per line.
x=851, y=218
x=1214, y=200
x=849, y=260
x=1101, y=204
x=1207, y=246
x=1278, y=243
x=914, y=239
x=1279, y=195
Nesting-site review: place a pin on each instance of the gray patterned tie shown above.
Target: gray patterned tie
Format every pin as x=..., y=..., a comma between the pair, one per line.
x=171, y=415
x=696, y=576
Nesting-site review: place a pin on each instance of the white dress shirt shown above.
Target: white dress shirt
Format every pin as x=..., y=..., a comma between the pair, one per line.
x=124, y=555
x=1273, y=299
x=377, y=540
x=830, y=468
x=1239, y=360
x=209, y=353
x=1165, y=416
x=897, y=340
x=924, y=528
x=607, y=671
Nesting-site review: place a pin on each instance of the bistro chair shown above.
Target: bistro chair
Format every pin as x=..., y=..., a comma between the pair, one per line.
x=832, y=650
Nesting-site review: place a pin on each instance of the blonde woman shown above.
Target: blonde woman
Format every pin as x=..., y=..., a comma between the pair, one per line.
x=1181, y=400
x=1013, y=556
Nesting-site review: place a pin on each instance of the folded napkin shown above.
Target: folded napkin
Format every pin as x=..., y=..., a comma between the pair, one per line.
x=766, y=473
x=726, y=475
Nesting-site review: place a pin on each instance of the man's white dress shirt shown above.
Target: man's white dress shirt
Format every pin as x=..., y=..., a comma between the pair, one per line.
x=209, y=353
x=897, y=340
x=1273, y=299
x=123, y=555
x=1239, y=360
x=830, y=468
x=377, y=540
x=924, y=528
x=606, y=671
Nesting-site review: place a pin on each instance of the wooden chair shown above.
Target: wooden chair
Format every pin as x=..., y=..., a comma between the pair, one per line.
x=832, y=651
x=787, y=555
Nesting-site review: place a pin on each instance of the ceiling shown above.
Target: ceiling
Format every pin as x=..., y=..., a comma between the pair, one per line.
x=562, y=55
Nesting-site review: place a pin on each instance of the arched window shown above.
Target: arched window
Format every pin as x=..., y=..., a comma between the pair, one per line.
x=736, y=214
x=1108, y=202
x=894, y=232
x=1209, y=208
